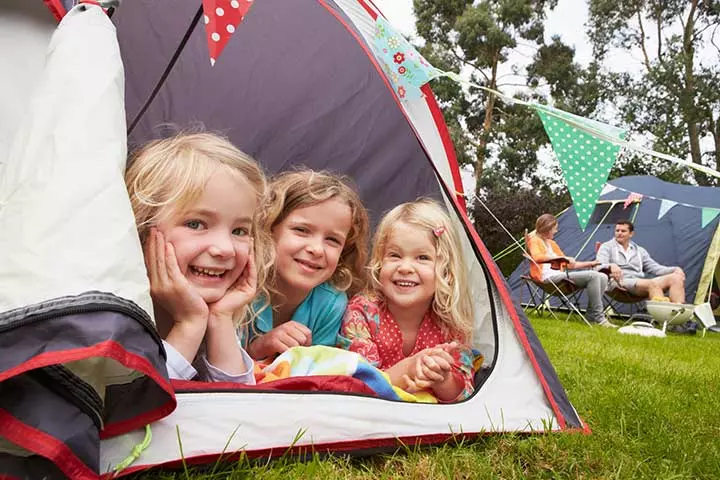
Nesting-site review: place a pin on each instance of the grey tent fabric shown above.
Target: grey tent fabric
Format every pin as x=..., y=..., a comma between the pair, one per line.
x=307, y=97
x=76, y=363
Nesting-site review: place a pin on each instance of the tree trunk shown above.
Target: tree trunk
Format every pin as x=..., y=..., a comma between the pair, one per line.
x=487, y=125
x=716, y=137
x=687, y=96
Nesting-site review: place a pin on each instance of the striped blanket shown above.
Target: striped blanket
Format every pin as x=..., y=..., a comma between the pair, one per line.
x=322, y=360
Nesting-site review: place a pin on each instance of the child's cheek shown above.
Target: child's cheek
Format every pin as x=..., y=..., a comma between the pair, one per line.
x=242, y=252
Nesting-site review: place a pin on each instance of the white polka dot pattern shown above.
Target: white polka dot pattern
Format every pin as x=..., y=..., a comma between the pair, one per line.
x=585, y=161
x=222, y=18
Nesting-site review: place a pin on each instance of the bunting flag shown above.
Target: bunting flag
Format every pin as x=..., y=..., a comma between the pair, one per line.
x=406, y=69
x=632, y=198
x=222, y=18
x=708, y=215
x=585, y=159
x=665, y=206
x=607, y=189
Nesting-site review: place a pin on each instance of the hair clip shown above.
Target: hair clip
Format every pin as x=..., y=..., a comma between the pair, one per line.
x=438, y=231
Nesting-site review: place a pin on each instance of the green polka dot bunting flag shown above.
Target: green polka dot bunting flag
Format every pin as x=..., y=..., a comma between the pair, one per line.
x=585, y=159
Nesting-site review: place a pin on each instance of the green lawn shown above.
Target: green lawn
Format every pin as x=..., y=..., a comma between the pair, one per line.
x=653, y=405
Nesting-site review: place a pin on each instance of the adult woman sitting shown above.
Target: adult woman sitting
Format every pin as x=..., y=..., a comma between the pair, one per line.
x=551, y=265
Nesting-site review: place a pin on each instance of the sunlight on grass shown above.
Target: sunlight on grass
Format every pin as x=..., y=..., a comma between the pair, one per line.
x=650, y=402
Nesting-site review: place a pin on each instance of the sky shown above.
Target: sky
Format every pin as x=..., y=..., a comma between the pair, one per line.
x=567, y=13
x=568, y=21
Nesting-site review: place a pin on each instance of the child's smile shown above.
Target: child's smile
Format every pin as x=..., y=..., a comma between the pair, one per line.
x=407, y=276
x=308, y=244
x=211, y=237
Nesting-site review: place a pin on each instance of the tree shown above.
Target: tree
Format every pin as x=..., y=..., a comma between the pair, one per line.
x=675, y=101
x=479, y=35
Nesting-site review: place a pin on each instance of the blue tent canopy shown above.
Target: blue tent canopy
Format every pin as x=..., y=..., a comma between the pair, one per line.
x=677, y=238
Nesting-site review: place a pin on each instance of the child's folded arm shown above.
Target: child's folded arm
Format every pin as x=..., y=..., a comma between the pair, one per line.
x=211, y=373
x=177, y=365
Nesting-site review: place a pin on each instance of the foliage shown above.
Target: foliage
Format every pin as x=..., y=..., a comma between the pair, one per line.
x=519, y=208
x=479, y=37
x=675, y=100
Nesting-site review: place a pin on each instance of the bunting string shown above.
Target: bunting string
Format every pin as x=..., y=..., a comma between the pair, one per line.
x=707, y=214
x=564, y=129
x=611, y=188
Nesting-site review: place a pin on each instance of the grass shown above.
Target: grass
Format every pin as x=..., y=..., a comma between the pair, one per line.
x=651, y=403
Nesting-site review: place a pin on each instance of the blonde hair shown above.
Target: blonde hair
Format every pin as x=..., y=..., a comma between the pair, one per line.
x=545, y=223
x=289, y=191
x=451, y=303
x=167, y=176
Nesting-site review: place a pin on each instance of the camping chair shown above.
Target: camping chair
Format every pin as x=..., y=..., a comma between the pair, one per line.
x=621, y=295
x=541, y=292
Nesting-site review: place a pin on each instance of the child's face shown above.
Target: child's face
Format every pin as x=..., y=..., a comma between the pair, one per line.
x=407, y=275
x=308, y=244
x=212, y=238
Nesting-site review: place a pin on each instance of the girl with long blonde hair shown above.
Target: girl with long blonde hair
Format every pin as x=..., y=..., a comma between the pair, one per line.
x=415, y=322
x=196, y=200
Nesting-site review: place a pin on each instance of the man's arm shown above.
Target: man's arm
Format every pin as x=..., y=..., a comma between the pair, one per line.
x=605, y=260
x=652, y=267
x=603, y=254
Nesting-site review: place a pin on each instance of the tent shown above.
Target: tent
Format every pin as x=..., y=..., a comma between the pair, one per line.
x=298, y=84
x=668, y=224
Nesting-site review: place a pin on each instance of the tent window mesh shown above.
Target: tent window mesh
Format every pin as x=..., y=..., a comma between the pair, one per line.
x=616, y=214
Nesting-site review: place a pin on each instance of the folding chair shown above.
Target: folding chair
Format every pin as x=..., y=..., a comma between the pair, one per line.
x=621, y=295
x=542, y=292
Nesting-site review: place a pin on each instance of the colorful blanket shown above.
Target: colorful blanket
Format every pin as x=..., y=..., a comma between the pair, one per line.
x=322, y=360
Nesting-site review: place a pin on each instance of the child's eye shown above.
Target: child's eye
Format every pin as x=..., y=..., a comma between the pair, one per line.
x=241, y=232
x=393, y=255
x=425, y=258
x=300, y=229
x=334, y=241
x=194, y=224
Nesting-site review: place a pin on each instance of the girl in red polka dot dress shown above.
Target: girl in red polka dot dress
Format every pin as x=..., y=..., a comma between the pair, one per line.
x=415, y=323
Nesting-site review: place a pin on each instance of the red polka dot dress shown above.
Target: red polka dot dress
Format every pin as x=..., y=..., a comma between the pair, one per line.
x=370, y=329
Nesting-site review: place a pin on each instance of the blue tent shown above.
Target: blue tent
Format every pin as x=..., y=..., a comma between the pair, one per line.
x=677, y=238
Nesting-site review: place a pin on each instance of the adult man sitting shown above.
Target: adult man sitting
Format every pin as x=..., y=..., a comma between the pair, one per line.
x=630, y=264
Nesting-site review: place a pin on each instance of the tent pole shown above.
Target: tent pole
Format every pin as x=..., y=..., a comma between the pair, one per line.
x=710, y=269
x=612, y=205
x=517, y=243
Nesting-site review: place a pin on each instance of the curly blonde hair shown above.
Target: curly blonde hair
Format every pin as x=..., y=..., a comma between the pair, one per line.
x=451, y=303
x=291, y=190
x=167, y=176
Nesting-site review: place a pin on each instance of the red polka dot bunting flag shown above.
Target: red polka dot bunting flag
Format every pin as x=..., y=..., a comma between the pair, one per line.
x=222, y=18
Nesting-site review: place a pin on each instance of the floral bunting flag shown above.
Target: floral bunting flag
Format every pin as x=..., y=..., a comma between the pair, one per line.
x=665, y=206
x=632, y=198
x=222, y=18
x=406, y=69
x=585, y=159
x=708, y=215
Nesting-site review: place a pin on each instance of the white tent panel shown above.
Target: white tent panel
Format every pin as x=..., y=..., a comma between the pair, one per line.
x=72, y=138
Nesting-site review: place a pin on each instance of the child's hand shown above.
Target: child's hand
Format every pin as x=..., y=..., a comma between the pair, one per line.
x=240, y=294
x=433, y=365
x=279, y=339
x=412, y=385
x=168, y=286
x=449, y=347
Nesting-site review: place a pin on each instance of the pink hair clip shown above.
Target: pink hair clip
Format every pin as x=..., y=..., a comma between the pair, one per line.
x=438, y=231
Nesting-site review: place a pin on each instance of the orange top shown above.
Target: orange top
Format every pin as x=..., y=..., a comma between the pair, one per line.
x=538, y=252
